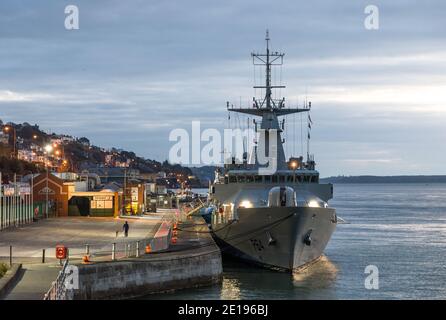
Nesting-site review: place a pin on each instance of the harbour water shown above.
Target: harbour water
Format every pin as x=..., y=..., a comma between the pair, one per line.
x=399, y=228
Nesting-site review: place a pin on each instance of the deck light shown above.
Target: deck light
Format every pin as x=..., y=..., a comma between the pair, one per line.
x=313, y=204
x=246, y=204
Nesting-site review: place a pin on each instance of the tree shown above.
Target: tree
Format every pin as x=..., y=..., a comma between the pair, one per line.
x=84, y=141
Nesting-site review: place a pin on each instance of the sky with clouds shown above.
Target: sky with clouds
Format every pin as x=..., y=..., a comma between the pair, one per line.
x=136, y=69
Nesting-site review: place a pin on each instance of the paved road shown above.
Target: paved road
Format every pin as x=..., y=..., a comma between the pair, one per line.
x=34, y=282
x=73, y=232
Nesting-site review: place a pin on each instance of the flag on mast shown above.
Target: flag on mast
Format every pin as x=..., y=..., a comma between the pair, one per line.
x=310, y=122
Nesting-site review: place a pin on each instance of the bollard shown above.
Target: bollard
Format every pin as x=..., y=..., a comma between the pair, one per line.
x=10, y=256
x=128, y=250
x=137, y=249
x=114, y=251
x=43, y=255
x=87, y=249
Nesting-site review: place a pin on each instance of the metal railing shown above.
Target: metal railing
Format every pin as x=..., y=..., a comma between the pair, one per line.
x=16, y=204
x=58, y=289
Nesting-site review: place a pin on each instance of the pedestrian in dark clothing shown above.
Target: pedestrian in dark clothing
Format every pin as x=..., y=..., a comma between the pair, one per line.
x=126, y=229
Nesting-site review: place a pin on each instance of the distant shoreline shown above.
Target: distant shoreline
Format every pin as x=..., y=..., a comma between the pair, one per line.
x=385, y=179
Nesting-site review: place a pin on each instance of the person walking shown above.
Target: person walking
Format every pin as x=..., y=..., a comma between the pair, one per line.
x=126, y=229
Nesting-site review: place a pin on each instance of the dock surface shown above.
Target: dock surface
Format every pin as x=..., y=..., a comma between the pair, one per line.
x=73, y=232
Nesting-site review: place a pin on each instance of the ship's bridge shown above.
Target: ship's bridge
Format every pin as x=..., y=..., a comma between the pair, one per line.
x=281, y=176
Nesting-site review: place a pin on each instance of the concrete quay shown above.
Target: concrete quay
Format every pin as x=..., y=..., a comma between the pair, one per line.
x=193, y=260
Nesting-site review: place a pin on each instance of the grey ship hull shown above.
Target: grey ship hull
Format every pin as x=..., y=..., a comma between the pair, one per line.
x=279, y=238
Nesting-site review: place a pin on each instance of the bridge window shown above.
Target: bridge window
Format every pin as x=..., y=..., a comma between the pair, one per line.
x=258, y=179
x=289, y=179
x=241, y=179
x=267, y=179
x=232, y=179
x=249, y=179
x=281, y=179
x=275, y=179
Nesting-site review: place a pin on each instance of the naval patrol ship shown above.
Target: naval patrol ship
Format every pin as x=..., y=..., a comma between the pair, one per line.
x=277, y=218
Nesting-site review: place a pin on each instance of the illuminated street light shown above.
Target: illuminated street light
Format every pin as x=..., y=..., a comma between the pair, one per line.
x=8, y=128
x=48, y=148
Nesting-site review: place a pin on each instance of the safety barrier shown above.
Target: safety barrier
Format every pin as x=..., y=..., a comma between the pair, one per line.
x=59, y=290
x=16, y=207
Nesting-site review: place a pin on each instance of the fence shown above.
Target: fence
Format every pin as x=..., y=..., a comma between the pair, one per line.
x=59, y=290
x=16, y=204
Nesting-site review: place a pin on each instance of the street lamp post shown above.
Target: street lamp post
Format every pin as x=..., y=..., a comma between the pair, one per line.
x=7, y=129
x=48, y=149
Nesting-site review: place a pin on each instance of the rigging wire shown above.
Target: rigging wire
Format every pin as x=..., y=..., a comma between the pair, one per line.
x=294, y=134
x=301, y=137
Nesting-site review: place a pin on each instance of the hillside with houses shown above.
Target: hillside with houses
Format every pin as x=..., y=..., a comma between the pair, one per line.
x=25, y=149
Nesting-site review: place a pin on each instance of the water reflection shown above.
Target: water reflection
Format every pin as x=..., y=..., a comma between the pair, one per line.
x=321, y=274
x=245, y=282
x=230, y=289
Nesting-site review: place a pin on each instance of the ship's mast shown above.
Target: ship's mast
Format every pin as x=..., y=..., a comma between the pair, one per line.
x=267, y=107
x=268, y=73
x=268, y=59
